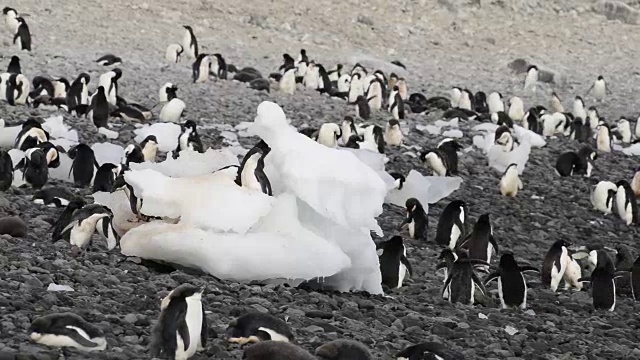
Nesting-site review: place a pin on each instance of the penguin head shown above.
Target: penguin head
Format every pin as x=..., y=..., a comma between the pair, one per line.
x=218, y=56
x=9, y=11
x=149, y=139
x=600, y=77
x=480, y=97
x=188, y=28
x=117, y=74
x=412, y=205
x=507, y=261
x=532, y=68
x=449, y=144
x=579, y=100
x=604, y=261
x=14, y=60
x=561, y=243
x=84, y=78
x=287, y=58
x=395, y=241
x=555, y=95
x=303, y=52
x=394, y=123
x=622, y=183
x=189, y=124
x=100, y=90
x=20, y=20
x=40, y=325
x=447, y=255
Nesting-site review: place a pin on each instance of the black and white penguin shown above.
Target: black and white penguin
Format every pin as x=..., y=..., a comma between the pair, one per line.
x=444, y=159
x=287, y=84
x=555, y=264
x=579, y=130
x=495, y=102
x=603, y=137
x=623, y=130
x=599, y=89
x=480, y=103
x=343, y=349
x=462, y=281
x=105, y=177
x=100, y=108
x=481, y=244
x=356, y=87
x=635, y=279
x=347, y=129
x=67, y=330
x=579, y=110
x=109, y=60
x=42, y=86
x=626, y=205
x=65, y=218
x=429, y=350
x=188, y=139
x=603, y=195
x=556, y=104
x=374, y=94
x=452, y=225
x=14, y=66
x=172, y=111
x=189, y=42
x=109, y=81
x=173, y=53
x=150, y=148
x=398, y=180
x=220, y=67
x=167, y=92
x=260, y=84
x=78, y=93
x=23, y=34
x=624, y=258
x=34, y=169
x=362, y=107
x=393, y=134
x=416, y=219
x=504, y=138
x=182, y=327
x=466, y=100
x=502, y=119
x=132, y=154
x=512, y=286
x=31, y=134
x=276, y=350
x=510, y=182
x=251, y=172
x=581, y=163
x=288, y=62
x=129, y=113
x=256, y=327
x=60, y=87
x=516, y=108
x=52, y=153
x=602, y=279
x=201, y=68
x=396, y=107
x=10, y=18
x=84, y=164
x=84, y=222
x=6, y=171
x=531, y=79
x=104, y=228
x=394, y=265
x=446, y=259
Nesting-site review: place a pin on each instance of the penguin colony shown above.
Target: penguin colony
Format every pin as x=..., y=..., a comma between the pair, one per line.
x=465, y=249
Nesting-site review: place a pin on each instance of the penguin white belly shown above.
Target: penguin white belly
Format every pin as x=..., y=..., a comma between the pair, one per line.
x=402, y=272
x=628, y=214
x=193, y=318
x=589, y=169
x=501, y=293
x=599, y=200
x=288, y=83
x=81, y=234
x=248, y=177
x=523, y=305
x=572, y=274
x=84, y=95
x=473, y=293
x=465, y=103
x=172, y=111
x=149, y=152
x=455, y=234
x=394, y=137
x=530, y=81
x=599, y=90
x=412, y=229
x=613, y=306
x=489, y=253
x=65, y=341
x=436, y=164
x=355, y=90
x=557, y=275
x=186, y=44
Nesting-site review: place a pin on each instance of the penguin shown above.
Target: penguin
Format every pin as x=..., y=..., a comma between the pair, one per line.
x=335, y=73
x=328, y=135
x=555, y=104
x=531, y=120
x=60, y=87
x=182, y=327
x=624, y=258
x=510, y=182
x=599, y=89
x=301, y=70
x=624, y=128
x=635, y=182
x=347, y=128
x=11, y=19
x=42, y=86
x=100, y=108
x=220, y=67
x=150, y=148
x=501, y=118
x=343, y=349
x=251, y=172
x=14, y=66
x=260, y=84
x=105, y=177
x=31, y=134
x=447, y=257
x=402, y=88
x=398, y=180
x=362, y=107
x=356, y=87
x=593, y=118
x=579, y=131
x=602, y=279
x=84, y=164
x=167, y=92
x=12, y=89
x=572, y=273
x=504, y=139
x=104, y=228
x=288, y=62
x=443, y=161
x=465, y=102
x=512, y=286
x=452, y=225
x=132, y=154
x=397, y=106
x=393, y=134
x=52, y=153
x=578, y=108
x=480, y=243
x=429, y=350
x=571, y=163
x=416, y=219
x=189, y=42
x=109, y=60
x=174, y=53
x=172, y=111
x=287, y=83
x=394, y=264
x=480, y=101
x=603, y=195
x=23, y=34
x=129, y=113
x=78, y=93
x=373, y=139
x=276, y=350
x=256, y=327
x=516, y=109
x=495, y=103
x=6, y=171
x=21, y=90
x=311, y=77
x=201, y=68
x=374, y=94
x=188, y=139
x=109, y=81
x=65, y=218
x=461, y=283
x=531, y=79
x=83, y=223
x=67, y=330
x=626, y=205
x=35, y=170
x=555, y=264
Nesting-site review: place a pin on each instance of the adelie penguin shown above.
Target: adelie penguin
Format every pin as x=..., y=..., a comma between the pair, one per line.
x=603, y=195
x=396, y=107
x=84, y=164
x=626, y=205
x=444, y=159
x=220, y=67
x=150, y=148
x=393, y=134
x=503, y=138
x=416, y=219
x=495, y=103
x=481, y=244
x=531, y=79
x=182, y=327
x=398, y=180
x=462, y=281
x=188, y=139
x=132, y=154
x=11, y=19
x=53, y=197
x=109, y=81
x=67, y=330
x=362, y=107
x=31, y=135
x=35, y=170
x=23, y=34
x=581, y=163
x=100, y=109
x=343, y=349
x=276, y=350
x=556, y=104
x=78, y=93
x=189, y=42
x=105, y=177
x=510, y=182
x=603, y=137
x=599, y=89
x=87, y=220
x=394, y=265
x=201, y=68
x=635, y=182
x=256, y=327
x=14, y=66
x=109, y=60
x=65, y=218
x=555, y=264
x=251, y=172
x=512, y=286
x=174, y=53
x=602, y=279
x=430, y=351
x=452, y=225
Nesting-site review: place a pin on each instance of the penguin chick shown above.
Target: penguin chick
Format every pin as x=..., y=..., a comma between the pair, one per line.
x=510, y=182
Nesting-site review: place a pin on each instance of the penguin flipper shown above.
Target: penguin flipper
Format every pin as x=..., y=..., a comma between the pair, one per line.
x=446, y=283
x=404, y=222
x=441, y=265
x=15, y=37
x=73, y=334
x=585, y=279
x=491, y=277
x=183, y=331
x=69, y=226
x=493, y=242
x=527, y=268
x=405, y=261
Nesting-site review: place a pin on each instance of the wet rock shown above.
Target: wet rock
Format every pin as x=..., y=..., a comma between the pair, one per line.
x=14, y=226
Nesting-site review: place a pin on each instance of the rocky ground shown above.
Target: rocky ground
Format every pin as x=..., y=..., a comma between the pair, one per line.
x=443, y=43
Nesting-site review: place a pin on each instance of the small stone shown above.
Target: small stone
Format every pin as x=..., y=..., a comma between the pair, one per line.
x=364, y=20
x=530, y=312
x=33, y=282
x=463, y=325
x=510, y=330
x=313, y=329
x=130, y=318
x=482, y=316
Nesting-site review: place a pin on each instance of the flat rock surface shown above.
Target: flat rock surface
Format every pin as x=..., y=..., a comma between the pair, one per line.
x=442, y=43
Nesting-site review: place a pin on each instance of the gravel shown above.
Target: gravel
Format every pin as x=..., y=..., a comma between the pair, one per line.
x=455, y=44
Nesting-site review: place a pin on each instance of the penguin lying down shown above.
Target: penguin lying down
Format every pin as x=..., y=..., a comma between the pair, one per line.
x=67, y=330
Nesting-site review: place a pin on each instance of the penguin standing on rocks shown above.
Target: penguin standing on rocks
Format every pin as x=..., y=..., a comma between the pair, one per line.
x=452, y=224
x=394, y=264
x=512, y=286
x=461, y=283
x=362, y=108
x=343, y=349
x=67, y=330
x=201, y=68
x=416, y=219
x=188, y=139
x=397, y=105
x=510, y=182
x=374, y=94
x=84, y=222
x=516, y=109
x=429, y=350
x=626, y=203
x=14, y=66
x=578, y=108
x=173, y=53
x=251, y=172
x=624, y=130
x=84, y=164
x=555, y=264
x=599, y=89
x=220, y=67
x=65, y=218
x=481, y=244
x=256, y=327
x=603, y=286
x=109, y=81
x=355, y=88
x=393, y=134
x=35, y=170
x=287, y=84
x=570, y=163
x=78, y=93
x=189, y=42
x=444, y=159
x=23, y=34
x=6, y=171
x=109, y=60
x=182, y=327
x=466, y=100
x=100, y=109
x=531, y=79
x=150, y=148
x=603, y=195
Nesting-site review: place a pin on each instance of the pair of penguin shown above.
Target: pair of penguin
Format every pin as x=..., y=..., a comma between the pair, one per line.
x=605, y=192
x=580, y=163
x=443, y=160
x=18, y=27
x=202, y=68
x=78, y=222
x=14, y=88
